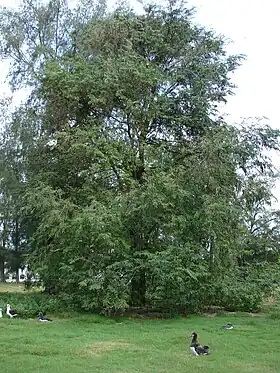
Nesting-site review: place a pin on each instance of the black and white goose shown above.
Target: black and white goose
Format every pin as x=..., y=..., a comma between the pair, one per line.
x=196, y=348
x=227, y=326
x=43, y=318
x=10, y=312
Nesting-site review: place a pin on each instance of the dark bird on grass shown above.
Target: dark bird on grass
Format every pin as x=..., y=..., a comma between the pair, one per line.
x=43, y=318
x=227, y=326
x=10, y=312
x=196, y=348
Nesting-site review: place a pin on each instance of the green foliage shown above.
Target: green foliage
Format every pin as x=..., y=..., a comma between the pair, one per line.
x=12, y=244
x=133, y=191
x=275, y=315
x=30, y=304
x=241, y=297
x=244, y=290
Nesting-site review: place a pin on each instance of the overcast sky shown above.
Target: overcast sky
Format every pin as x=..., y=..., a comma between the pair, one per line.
x=252, y=27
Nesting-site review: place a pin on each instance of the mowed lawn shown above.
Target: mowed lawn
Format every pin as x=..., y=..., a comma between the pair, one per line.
x=96, y=344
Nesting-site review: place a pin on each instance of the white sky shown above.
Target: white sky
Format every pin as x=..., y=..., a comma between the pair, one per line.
x=252, y=27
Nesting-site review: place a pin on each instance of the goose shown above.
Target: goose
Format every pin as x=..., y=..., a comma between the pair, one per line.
x=43, y=318
x=196, y=348
x=11, y=313
x=227, y=326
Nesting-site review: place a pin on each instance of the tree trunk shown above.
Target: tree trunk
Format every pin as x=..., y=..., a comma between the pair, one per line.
x=138, y=289
x=211, y=255
x=2, y=269
x=138, y=282
x=51, y=289
x=17, y=272
x=2, y=257
x=17, y=247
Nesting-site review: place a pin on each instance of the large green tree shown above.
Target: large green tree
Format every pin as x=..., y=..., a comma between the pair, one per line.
x=133, y=87
x=136, y=192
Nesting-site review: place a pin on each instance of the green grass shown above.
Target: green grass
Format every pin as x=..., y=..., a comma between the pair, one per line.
x=17, y=288
x=95, y=344
x=11, y=288
x=82, y=343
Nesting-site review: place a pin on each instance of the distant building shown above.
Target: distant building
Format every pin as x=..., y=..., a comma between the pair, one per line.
x=12, y=276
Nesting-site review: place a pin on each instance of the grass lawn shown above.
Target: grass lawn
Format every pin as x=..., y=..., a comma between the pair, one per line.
x=11, y=287
x=16, y=288
x=96, y=344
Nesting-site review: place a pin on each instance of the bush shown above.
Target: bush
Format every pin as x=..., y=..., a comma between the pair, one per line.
x=236, y=295
x=30, y=304
x=275, y=315
x=266, y=276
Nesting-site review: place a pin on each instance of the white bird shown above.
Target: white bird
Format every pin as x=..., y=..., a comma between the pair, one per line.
x=11, y=313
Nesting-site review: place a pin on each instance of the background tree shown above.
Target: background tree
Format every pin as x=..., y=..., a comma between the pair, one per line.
x=12, y=177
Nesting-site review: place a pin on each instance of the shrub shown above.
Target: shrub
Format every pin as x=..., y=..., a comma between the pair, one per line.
x=236, y=295
x=275, y=315
x=30, y=304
